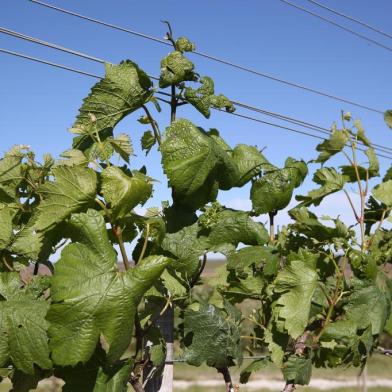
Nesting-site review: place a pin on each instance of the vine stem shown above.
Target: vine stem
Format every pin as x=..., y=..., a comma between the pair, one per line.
x=251, y=337
x=272, y=226
x=118, y=233
x=362, y=195
x=227, y=377
x=378, y=227
x=146, y=234
x=153, y=123
x=173, y=103
x=10, y=268
x=201, y=269
x=352, y=205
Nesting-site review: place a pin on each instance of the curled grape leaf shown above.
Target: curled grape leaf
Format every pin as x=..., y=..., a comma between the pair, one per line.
x=196, y=162
x=333, y=145
x=214, y=336
x=124, y=89
x=175, y=68
x=203, y=98
x=183, y=44
x=122, y=192
x=330, y=180
x=91, y=299
x=250, y=161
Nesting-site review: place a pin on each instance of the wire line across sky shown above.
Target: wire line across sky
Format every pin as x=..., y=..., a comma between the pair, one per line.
x=211, y=57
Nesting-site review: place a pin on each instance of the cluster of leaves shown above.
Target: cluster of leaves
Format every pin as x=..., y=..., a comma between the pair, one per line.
x=320, y=296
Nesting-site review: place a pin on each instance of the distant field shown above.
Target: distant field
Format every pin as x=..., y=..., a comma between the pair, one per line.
x=380, y=367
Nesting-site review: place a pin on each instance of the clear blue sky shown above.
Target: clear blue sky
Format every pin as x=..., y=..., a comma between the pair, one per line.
x=39, y=103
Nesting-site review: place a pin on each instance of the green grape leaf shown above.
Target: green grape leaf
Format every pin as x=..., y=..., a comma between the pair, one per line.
x=250, y=161
x=388, y=325
x=275, y=349
x=383, y=193
x=330, y=180
x=298, y=170
x=91, y=299
x=122, y=192
x=196, y=161
x=203, y=98
x=388, y=118
x=148, y=140
x=295, y=285
x=124, y=89
x=22, y=326
x=73, y=157
x=222, y=102
x=122, y=145
x=297, y=370
x=212, y=336
x=11, y=175
x=233, y=227
x=173, y=285
x=186, y=245
x=374, y=165
x=73, y=190
x=184, y=45
x=332, y=146
x=176, y=68
x=306, y=223
x=272, y=192
x=155, y=347
x=368, y=305
x=7, y=214
x=95, y=375
x=361, y=136
x=254, y=366
x=259, y=256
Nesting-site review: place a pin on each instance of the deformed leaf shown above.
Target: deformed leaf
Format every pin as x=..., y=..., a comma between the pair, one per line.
x=203, y=98
x=196, y=162
x=183, y=44
x=175, y=68
x=122, y=192
x=91, y=298
x=272, y=192
x=213, y=337
x=250, y=162
x=332, y=146
x=124, y=89
x=147, y=141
